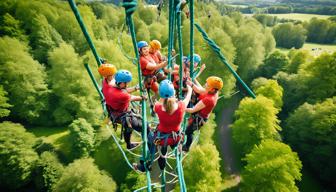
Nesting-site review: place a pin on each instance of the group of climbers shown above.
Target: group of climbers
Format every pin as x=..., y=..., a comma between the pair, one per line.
x=168, y=108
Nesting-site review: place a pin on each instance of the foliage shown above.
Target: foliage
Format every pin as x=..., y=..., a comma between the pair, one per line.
x=17, y=157
x=84, y=175
x=256, y=120
x=76, y=97
x=295, y=90
x=43, y=38
x=82, y=136
x=11, y=27
x=297, y=58
x=273, y=63
x=24, y=79
x=133, y=181
x=266, y=20
x=288, y=35
x=311, y=131
x=271, y=165
x=200, y=173
x=321, y=76
x=269, y=88
x=48, y=171
x=4, y=106
x=321, y=31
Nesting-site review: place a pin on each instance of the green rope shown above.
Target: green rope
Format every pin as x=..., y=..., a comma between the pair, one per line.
x=85, y=32
x=179, y=36
x=191, y=8
x=130, y=7
x=217, y=50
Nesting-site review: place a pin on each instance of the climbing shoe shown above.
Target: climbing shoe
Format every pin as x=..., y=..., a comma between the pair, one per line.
x=132, y=145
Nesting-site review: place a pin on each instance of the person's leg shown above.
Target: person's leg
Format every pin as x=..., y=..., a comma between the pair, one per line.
x=189, y=133
x=162, y=160
x=127, y=137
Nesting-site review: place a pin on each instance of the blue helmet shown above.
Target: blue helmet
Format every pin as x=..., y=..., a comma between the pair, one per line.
x=197, y=58
x=166, y=89
x=142, y=44
x=123, y=76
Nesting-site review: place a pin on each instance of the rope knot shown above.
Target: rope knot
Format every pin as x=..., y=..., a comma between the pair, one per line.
x=130, y=6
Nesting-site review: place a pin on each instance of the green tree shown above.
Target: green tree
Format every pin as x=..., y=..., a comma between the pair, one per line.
x=11, y=27
x=133, y=182
x=288, y=35
x=75, y=95
x=84, y=175
x=4, y=105
x=24, y=79
x=43, y=38
x=297, y=58
x=82, y=137
x=48, y=171
x=273, y=63
x=269, y=41
x=318, y=30
x=249, y=43
x=201, y=174
x=256, y=120
x=17, y=157
x=295, y=90
x=320, y=77
x=311, y=131
x=271, y=166
x=269, y=88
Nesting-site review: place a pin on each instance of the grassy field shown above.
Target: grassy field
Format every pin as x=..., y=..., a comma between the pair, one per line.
x=315, y=49
x=297, y=16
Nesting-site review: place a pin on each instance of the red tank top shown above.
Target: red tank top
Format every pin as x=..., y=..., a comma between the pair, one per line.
x=210, y=101
x=170, y=122
x=144, y=60
x=116, y=98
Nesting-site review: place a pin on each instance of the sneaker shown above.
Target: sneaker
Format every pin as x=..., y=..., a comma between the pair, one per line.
x=185, y=148
x=132, y=145
x=139, y=167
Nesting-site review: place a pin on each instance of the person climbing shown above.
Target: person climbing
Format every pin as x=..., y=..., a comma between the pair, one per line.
x=207, y=101
x=149, y=69
x=107, y=71
x=154, y=52
x=186, y=71
x=117, y=101
x=170, y=113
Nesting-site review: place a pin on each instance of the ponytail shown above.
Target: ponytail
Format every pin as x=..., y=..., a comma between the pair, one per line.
x=168, y=105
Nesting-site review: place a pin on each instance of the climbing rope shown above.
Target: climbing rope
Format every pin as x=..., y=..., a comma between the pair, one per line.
x=217, y=50
x=130, y=7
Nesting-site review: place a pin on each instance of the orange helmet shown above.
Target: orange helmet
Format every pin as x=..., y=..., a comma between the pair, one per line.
x=107, y=70
x=215, y=82
x=155, y=44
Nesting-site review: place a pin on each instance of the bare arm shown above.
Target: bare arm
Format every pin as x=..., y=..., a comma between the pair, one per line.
x=199, y=106
x=136, y=98
x=188, y=96
x=153, y=66
x=132, y=89
x=197, y=87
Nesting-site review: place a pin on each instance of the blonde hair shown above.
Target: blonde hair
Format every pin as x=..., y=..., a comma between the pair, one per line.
x=168, y=104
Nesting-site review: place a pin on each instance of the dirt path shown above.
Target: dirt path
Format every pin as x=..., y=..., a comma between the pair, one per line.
x=225, y=135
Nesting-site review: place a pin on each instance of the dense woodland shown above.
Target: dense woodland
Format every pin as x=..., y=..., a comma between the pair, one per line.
x=290, y=124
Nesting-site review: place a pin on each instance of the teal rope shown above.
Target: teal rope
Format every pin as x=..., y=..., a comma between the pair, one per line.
x=120, y=148
x=217, y=50
x=179, y=36
x=130, y=7
x=191, y=8
x=85, y=32
x=102, y=98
